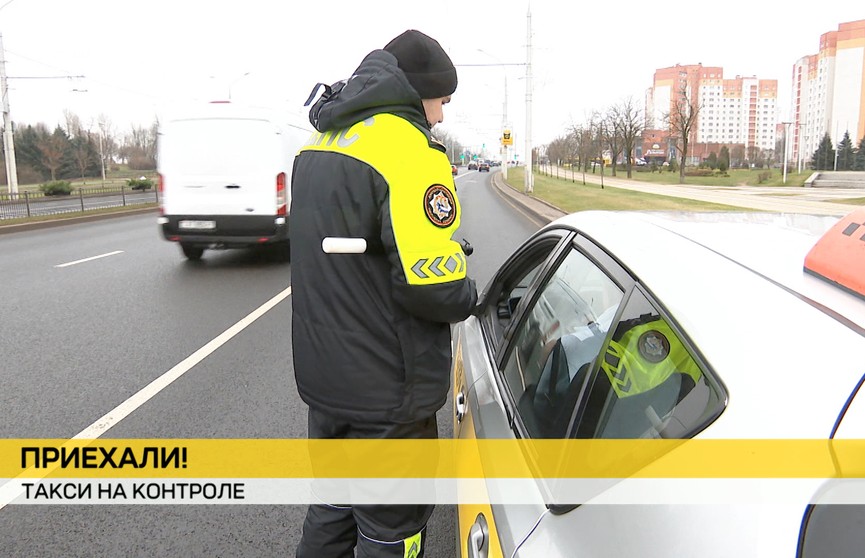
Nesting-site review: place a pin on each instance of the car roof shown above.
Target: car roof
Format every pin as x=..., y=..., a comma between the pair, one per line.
x=782, y=340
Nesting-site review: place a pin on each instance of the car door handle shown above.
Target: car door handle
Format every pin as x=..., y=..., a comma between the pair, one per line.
x=477, y=544
x=461, y=406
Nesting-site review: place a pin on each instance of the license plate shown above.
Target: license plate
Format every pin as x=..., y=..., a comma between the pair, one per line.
x=197, y=225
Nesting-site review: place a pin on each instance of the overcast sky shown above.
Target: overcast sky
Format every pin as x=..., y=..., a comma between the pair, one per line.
x=139, y=58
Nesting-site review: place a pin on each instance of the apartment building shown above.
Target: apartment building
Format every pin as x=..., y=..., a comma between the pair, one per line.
x=734, y=112
x=828, y=94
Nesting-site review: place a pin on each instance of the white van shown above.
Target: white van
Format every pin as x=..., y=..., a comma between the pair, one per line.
x=225, y=177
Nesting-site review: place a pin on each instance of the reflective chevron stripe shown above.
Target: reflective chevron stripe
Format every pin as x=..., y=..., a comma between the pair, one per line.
x=440, y=266
x=418, y=269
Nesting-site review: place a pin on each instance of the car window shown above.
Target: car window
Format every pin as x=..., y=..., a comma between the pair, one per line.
x=648, y=383
x=557, y=341
x=509, y=289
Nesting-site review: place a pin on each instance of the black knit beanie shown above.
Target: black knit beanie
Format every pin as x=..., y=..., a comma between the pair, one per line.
x=425, y=63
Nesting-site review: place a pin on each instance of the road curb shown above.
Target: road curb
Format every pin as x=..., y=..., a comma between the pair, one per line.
x=51, y=223
x=542, y=210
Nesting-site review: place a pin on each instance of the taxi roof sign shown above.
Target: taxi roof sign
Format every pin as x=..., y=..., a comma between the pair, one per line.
x=839, y=255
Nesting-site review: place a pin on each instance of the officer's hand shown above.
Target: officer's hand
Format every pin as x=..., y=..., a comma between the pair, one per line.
x=467, y=248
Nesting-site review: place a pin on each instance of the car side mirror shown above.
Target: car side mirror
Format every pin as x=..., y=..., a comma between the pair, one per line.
x=507, y=308
x=504, y=311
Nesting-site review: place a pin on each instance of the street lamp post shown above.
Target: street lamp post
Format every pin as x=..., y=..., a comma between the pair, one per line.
x=8, y=138
x=102, y=157
x=503, y=149
x=784, y=161
x=529, y=177
x=234, y=82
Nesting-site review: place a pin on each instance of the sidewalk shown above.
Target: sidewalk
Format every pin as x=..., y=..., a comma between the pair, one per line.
x=782, y=200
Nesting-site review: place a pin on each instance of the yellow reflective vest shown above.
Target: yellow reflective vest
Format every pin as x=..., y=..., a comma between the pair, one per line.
x=371, y=333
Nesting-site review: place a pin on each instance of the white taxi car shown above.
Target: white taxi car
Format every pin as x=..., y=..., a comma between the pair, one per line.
x=632, y=325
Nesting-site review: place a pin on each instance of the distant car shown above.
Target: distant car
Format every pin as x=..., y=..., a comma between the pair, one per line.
x=473, y=166
x=454, y=170
x=483, y=167
x=628, y=325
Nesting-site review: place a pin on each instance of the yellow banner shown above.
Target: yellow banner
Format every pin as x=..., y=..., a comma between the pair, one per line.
x=300, y=458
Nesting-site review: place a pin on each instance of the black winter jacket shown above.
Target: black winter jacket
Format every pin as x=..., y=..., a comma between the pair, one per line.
x=371, y=332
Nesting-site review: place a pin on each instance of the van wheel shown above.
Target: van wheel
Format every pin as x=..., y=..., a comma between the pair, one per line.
x=191, y=252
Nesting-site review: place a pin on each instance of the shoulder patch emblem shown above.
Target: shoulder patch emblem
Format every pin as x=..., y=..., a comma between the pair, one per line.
x=653, y=346
x=440, y=206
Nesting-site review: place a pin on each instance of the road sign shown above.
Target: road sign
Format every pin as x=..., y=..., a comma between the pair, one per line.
x=507, y=138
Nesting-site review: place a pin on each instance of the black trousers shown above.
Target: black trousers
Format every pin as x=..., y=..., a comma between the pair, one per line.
x=334, y=531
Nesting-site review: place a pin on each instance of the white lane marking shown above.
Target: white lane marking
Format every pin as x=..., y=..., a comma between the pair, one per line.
x=120, y=412
x=13, y=489
x=90, y=259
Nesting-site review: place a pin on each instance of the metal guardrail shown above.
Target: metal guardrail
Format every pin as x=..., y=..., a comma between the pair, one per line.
x=33, y=204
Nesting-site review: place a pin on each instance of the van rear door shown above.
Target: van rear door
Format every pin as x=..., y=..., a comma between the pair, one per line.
x=220, y=166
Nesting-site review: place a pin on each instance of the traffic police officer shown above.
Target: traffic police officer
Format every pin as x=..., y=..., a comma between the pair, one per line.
x=371, y=333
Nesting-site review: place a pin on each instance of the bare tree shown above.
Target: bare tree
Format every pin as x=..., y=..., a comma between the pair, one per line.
x=737, y=155
x=139, y=147
x=584, y=141
x=575, y=132
x=630, y=124
x=753, y=155
x=82, y=152
x=558, y=150
x=73, y=123
x=573, y=151
x=52, y=149
x=612, y=137
x=599, y=126
x=108, y=143
x=682, y=122
x=152, y=135
x=452, y=146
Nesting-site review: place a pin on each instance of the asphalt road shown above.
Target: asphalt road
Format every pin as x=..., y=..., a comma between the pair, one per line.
x=93, y=312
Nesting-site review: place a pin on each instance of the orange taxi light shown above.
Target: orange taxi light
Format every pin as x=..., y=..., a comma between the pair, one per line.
x=839, y=255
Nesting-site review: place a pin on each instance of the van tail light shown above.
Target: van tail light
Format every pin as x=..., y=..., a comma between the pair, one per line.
x=280, y=195
x=160, y=191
